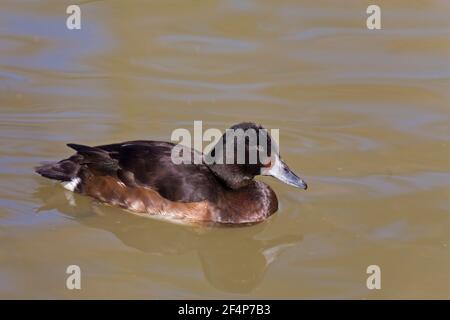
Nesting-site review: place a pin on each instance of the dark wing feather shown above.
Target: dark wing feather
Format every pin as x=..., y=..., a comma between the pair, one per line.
x=95, y=158
x=149, y=164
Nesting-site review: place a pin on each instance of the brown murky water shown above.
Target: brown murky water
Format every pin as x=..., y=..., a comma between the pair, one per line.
x=363, y=116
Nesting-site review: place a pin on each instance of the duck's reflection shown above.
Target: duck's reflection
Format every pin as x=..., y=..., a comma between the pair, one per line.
x=233, y=259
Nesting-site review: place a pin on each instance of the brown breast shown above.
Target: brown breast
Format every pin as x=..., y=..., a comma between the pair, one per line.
x=247, y=205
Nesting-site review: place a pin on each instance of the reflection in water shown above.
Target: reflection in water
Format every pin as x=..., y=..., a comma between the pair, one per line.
x=224, y=267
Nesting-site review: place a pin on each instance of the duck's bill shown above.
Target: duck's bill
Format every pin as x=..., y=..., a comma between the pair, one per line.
x=281, y=171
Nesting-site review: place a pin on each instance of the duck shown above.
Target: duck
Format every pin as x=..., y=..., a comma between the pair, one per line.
x=141, y=177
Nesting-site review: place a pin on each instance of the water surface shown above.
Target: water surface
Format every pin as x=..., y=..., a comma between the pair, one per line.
x=363, y=117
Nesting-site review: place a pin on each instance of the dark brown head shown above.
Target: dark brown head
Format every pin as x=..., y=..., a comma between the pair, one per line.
x=245, y=151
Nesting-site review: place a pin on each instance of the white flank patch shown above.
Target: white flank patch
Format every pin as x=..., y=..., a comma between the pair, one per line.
x=72, y=184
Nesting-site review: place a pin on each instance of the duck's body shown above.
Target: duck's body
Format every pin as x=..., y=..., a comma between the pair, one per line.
x=141, y=176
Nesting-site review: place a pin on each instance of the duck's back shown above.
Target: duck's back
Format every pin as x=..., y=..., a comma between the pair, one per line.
x=150, y=164
x=135, y=164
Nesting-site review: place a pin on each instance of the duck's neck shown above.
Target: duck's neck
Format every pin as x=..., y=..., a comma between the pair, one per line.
x=230, y=175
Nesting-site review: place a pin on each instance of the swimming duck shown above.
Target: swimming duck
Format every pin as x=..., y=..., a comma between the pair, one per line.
x=142, y=177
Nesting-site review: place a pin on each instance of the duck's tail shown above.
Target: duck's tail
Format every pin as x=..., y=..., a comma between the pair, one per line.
x=64, y=170
x=69, y=169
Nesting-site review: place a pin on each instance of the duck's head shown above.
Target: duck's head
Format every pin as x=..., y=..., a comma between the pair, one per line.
x=245, y=151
